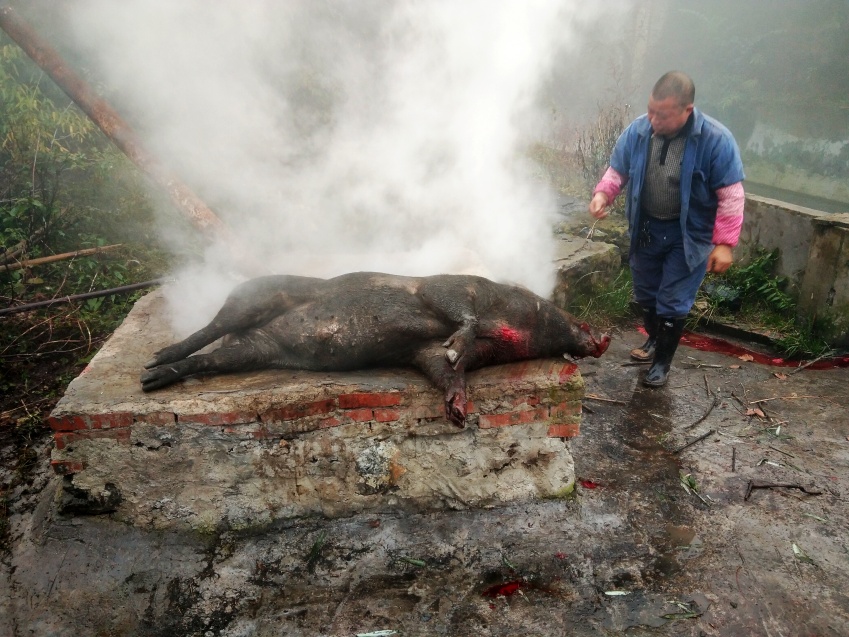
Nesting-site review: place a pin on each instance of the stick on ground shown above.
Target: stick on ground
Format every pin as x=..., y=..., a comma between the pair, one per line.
x=692, y=442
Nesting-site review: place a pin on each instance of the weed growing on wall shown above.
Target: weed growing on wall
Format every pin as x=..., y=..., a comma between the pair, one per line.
x=753, y=295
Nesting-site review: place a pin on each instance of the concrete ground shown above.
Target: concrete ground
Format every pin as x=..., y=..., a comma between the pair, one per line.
x=633, y=553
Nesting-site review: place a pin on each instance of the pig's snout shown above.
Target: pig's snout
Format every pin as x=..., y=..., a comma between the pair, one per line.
x=591, y=343
x=601, y=345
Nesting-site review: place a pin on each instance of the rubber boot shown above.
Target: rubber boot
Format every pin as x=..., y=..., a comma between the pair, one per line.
x=645, y=352
x=668, y=335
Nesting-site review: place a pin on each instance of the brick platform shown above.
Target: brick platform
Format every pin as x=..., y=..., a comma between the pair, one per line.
x=243, y=450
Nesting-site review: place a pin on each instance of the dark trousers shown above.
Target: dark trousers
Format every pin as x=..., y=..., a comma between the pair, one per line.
x=662, y=279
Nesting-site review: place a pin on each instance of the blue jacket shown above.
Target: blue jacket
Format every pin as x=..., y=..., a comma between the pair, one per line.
x=711, y=161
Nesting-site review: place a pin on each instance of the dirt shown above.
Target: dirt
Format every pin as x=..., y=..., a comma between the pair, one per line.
x=39, y=355
x=632, y=553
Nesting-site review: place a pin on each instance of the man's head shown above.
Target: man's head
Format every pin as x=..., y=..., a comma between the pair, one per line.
x=671, y=103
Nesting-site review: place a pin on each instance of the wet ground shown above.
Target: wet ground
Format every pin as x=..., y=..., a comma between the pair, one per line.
x=659, y=538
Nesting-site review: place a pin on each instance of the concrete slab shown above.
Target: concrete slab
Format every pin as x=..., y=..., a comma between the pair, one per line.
x=244, y=450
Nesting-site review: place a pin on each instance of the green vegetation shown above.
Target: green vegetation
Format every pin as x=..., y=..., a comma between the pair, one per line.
x=751, y=294
x=748, y=294
x=605, y=304
x=574, y=163
x=63, y=188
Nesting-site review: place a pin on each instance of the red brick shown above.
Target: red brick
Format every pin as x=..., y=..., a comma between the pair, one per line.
x=112, y=421
x=65, y=423
x=65, y=438
x=66, y=467
x=216, y=419
x=563, y=410
x=387, y=415
x=353, y=401
x=488, y=421
x=564, y=430
x=295, y=412
x=359, y=415
x=327, y=423
x=91, y=421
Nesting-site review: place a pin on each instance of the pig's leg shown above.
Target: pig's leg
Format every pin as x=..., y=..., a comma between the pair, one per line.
x=252, y=304
x=457, y=305
x=461, y=340
x=255, y=351
x=452, y=380
x=430, y=359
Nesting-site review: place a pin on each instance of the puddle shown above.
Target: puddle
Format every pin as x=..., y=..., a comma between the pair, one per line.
x=656, y=498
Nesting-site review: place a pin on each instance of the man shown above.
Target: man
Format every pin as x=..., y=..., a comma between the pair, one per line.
x=684, y=208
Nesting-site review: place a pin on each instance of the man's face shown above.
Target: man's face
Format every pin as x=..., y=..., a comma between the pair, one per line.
x=667, y=116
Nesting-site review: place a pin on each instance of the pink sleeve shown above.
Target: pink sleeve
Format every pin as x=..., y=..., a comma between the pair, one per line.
x=729, y=214
x=611, y=184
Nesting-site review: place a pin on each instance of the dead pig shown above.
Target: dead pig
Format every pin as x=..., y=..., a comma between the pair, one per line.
x=442, y=325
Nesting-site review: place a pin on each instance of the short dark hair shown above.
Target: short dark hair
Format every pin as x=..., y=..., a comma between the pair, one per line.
x=675, y=84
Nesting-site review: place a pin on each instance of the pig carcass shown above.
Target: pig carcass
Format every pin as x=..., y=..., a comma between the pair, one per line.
x=442, y=325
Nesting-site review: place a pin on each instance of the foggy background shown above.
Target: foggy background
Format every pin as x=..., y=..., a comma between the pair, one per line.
x=338, y=136
x=335, y=136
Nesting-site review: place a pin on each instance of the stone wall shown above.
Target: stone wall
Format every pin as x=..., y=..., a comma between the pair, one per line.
x=824, y=290
x=813, y=254
x=770, y=224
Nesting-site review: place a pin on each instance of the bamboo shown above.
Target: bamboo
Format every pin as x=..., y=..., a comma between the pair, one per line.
x=56, y=257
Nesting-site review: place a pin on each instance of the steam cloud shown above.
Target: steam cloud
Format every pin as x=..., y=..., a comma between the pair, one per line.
x=339, y=136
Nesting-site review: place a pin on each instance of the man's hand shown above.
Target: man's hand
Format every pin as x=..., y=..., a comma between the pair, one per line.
x=720, y=259
x=598, y=205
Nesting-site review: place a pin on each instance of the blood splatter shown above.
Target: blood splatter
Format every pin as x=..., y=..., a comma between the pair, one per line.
x=705, y=343
x=510, y=334
x=504, y=590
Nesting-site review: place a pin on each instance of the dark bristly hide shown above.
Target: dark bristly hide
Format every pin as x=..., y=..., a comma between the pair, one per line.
x=442, y=325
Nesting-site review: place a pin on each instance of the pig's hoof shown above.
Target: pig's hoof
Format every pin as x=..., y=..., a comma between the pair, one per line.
x=159, y=377
x=455, y=409
x=164, y=356
x=458, y=344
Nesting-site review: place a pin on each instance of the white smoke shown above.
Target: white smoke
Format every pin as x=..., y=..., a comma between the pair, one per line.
x=335, y=136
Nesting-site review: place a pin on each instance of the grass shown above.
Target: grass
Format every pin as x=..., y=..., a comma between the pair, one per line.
x=750, y=294
x=606, y=304
x=747, y=295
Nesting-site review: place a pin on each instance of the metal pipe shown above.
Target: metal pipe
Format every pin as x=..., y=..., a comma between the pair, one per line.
x=82, y=297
